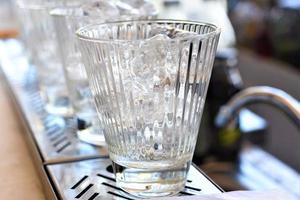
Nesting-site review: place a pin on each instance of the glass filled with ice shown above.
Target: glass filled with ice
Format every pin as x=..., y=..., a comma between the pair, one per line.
x=67, y=19
x=40, y=39
x=149, y=80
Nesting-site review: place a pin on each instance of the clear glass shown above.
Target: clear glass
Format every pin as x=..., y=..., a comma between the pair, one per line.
x=40, y=39
x=149, y=81
x=67, y=20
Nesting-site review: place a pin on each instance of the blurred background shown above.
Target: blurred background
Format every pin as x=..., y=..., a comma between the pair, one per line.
x=260, y=45
x=260, y=40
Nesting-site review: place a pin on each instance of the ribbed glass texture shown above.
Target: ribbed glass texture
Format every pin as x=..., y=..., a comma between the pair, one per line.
x=67, y=19
x=149, y=81
x=40, y=39
x=66, y=22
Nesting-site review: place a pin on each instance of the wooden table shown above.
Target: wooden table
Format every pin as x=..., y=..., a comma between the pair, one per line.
x=19, y=180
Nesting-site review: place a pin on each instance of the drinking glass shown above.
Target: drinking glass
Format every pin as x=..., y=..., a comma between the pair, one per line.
x=149, y=80
x=40, y=39
x=67, y=19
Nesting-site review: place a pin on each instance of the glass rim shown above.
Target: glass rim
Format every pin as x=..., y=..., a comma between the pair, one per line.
x=80, y=36
x=53, y=12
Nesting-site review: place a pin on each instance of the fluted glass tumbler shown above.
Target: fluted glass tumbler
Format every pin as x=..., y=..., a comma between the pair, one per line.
x=67, y=19
x=40, y=39
x=149, y=81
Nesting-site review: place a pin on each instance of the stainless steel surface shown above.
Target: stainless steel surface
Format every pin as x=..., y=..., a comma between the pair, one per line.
x=276, y=97
x=259, y=170
x=55, y=136
x=84, y=179
x=62, y=160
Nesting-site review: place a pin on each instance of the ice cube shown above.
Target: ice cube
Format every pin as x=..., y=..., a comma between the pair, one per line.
x=151, y=71
x=101, y=8
x=126, y=10
x=137, y=8
x=170, y=32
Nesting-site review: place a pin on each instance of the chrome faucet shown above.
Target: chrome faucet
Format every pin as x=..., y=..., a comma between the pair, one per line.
x=259, y=94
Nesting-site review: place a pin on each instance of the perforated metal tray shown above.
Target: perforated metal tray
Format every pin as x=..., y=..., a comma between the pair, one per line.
x=69, y=168
x=91, y=179
x=54, y=136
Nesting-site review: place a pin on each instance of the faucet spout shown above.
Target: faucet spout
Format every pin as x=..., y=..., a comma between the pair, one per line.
x=260, y=94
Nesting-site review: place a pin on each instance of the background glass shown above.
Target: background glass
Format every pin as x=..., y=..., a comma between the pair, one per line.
x=67, y=20
x=40, y=39
x=149, y=81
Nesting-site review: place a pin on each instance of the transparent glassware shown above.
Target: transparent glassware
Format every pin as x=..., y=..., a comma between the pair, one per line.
x=40, y=40
x=149, y=81
x=67, y=19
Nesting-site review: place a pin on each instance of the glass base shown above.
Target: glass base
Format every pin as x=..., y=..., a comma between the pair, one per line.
x=61, y=107
x=149, y=183
x=59, y=110
x=91, y=136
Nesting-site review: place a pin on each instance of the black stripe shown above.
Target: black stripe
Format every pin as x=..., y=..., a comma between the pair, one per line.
x=109, y=178
x=63, y=147
x=185, y=193
x=112, y=186
x=192, y=188
x=55, y=144
x=79, y=182
x=93, y=196
x=84, y=191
